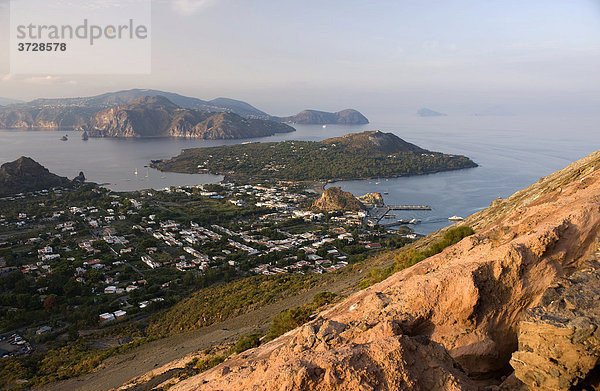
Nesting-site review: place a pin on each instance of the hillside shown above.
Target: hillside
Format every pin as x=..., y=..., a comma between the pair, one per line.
x=335, y=199
x=24, y=175
x=159, y=117
x=485, y=312
x=354, y=156
x=72, y=113
x=315, y=117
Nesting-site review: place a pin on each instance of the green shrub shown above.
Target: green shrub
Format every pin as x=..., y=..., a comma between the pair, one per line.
x=245, y=343
x=408, y=258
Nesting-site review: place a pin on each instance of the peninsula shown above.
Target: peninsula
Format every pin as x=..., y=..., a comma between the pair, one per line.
x=354, y=156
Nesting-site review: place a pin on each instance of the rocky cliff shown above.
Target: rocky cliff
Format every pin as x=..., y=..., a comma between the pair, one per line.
x=374, y=199
x=334, y=199
x=315, y=117
x=24, y=175
x=159, y=117
x=455, y=320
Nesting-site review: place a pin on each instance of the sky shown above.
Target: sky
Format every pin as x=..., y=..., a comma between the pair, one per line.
x=455, y=56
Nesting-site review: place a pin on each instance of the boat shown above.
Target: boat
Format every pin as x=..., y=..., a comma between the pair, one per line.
x=455, y=218
x=84, y=136
x=324, y=126
x=64, y=138
x=136, y=171
x=389, y=216
x=414, y=221
x=385, y=193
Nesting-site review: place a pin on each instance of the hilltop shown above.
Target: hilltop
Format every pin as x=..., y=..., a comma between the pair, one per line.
x=25, y=175
x=159, y=117
x=508, y=308
x=354, y=156
x=373, y=141
x=315, y=117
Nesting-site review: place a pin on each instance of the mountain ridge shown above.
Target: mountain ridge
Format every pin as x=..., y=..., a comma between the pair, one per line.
x=157, y=116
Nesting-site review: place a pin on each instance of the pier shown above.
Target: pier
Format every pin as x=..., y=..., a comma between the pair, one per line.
x=377, y=213
x=408, y=207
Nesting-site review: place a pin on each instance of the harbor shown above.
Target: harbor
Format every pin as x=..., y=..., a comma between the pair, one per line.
x=376, y=213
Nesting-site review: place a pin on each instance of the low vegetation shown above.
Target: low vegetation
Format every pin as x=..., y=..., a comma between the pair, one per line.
x=408, y=258
x=309, y=161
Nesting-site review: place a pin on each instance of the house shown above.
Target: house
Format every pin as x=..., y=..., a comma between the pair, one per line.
x=111, y=289
x=106, y=317
x=119, y=314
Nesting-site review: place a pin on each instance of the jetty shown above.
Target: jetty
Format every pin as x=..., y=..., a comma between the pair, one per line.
x=377, y=213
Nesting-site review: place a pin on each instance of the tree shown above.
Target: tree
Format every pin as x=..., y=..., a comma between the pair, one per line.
x=50, y=303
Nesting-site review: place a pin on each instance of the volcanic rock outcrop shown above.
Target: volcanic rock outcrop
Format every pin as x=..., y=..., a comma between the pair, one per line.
x=374, y=199
x=452, y=321
x=559, y=341
x=334, y=199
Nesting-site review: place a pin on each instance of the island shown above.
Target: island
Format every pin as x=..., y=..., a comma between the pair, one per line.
x=426, y=112
x=369, y=154
x=157, y=116
x=315, y=117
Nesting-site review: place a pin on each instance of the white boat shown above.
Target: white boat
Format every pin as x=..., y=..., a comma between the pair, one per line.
x=455, y=218
x=324, y=126
x=414, y=221
x=136, y=171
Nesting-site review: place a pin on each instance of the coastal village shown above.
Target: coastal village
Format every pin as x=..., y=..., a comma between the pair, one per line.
x=115, y=247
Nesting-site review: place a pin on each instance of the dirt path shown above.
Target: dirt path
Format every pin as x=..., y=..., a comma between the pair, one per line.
x=118, y=370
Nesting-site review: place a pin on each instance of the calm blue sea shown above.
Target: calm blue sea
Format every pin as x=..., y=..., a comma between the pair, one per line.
x=512, y=152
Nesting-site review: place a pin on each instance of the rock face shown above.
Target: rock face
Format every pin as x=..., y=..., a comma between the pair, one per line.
x=24, y=175
x=334, y=199
x=374, y=199
x=314, y=117
x=453, y=317
x=559, y=340
x=159, y=117
x=73, y=113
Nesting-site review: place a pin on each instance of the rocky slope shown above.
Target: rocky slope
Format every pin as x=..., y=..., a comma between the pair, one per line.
x=334, y=199
x=374, y=199
x=315, y=117
x=452, y=321
x=72, y=113
x=24, y=175
x=159, y=117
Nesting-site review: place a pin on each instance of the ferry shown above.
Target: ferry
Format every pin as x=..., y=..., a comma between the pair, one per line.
x=455, y=218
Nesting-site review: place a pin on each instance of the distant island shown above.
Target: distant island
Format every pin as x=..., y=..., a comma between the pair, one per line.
x=26, y=175
x=75, y=113
x=159, y=117
x=354, y=156
x=425, y=112
x=315, y=117
x=8, y=101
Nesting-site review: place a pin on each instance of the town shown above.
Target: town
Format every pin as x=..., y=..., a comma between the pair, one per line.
x=74, y=258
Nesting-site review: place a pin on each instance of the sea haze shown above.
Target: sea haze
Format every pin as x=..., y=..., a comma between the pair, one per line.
x=512, y=152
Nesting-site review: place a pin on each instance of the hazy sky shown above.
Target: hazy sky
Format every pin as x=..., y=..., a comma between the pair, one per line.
x=285, y=55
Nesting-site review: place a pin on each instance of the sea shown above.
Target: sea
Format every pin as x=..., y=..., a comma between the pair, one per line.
x=512, y=152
